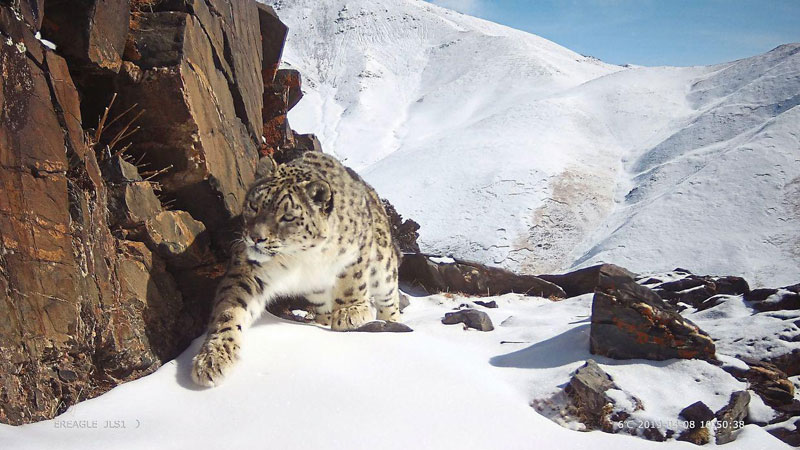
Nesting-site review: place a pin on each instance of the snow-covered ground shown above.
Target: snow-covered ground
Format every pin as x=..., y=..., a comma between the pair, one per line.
x=547, y=159
x=299, y=387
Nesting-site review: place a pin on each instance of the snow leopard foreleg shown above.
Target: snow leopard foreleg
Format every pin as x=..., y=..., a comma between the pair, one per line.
x=350, y=299
x=239, y=300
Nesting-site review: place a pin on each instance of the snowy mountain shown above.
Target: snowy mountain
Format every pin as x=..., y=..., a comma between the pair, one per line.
x=512, y=150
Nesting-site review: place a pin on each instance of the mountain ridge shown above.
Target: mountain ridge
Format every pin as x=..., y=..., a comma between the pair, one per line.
x=514, y=151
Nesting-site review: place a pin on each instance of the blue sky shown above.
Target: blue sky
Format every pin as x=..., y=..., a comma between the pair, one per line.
x=649, y=32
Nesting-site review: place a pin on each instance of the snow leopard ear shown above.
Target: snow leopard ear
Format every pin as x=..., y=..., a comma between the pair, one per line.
x=265, y=168
x=319, y=192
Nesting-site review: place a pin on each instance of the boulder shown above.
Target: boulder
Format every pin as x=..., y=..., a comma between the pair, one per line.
x=471, y=318
x=697, y=290
x=785, y=298
x=789, y=363
x=446, y=275
x=233, y=33
x=284, y=149
x=768, y=381
x=118, y=171
x=146, y=331
x=491, y=304
x=587, y=393
x=307, y=142
x=731, y=417
x=789, y=435
x=380, y=326
x=91, y=35
x=278, y=138
x=630, y=321
x=581, y=281
x=697, y=435
x=697, y=414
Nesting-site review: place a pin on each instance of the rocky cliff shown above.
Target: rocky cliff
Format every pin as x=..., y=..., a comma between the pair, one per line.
x=125, y=151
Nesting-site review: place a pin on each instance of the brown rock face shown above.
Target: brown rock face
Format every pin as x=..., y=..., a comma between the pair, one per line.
x=68, y=328
x=198, y=132
x=630, y=321
x=273, y=36
x=89, y=33
x=100, y=282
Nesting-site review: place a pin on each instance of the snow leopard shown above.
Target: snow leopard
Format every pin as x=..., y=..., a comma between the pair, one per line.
x=314, y=228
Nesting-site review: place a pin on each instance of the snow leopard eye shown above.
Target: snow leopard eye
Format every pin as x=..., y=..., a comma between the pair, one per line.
x=253, y=205
x=287, y=218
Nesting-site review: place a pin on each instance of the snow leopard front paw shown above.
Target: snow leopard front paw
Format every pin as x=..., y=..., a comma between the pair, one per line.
x=214, y=361
x=350, y=317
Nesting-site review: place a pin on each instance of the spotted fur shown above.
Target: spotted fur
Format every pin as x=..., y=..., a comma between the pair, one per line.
x=311, y=228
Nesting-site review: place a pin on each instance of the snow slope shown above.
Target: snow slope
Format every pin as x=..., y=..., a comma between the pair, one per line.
x=301, y=387
x=546, y=159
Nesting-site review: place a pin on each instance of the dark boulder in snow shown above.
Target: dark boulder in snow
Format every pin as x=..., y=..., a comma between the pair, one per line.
x=581, y=281
x=491, y=304
x=380, y=326
x=788, y=362
x=768, y=381
x=731, y=417
x=630, y=321
x=787, y=297
x=696, y=414
x=789, y=435
x=587, y=393
x=404, y=301
x=452, y=275
x=695, y=290
x=471, y=318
